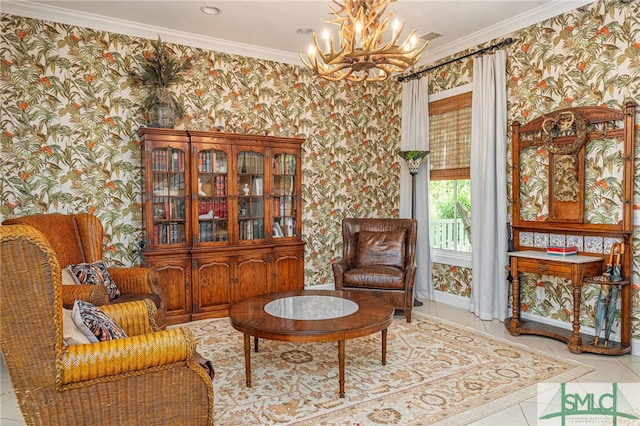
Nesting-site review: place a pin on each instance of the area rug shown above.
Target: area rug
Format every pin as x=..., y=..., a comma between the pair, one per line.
x=436, y=372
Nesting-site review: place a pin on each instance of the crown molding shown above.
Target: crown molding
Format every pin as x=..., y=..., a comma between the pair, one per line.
x=119, y=26
x=502, y=29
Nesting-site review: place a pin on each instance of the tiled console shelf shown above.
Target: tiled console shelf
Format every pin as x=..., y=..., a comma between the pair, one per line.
x=559, y=213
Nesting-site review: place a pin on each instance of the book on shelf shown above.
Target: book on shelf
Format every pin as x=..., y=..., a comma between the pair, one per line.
x=562, y=250
x=205, y=161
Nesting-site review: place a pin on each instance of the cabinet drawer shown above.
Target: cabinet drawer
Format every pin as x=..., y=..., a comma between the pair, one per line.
x=557, y=269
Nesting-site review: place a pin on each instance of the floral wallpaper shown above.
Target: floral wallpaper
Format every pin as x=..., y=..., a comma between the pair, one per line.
x=70, y=115
x=590, y=56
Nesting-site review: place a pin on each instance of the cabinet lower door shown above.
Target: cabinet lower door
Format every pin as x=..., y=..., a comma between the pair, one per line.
x=211, y=286
x=174, y=278
x=250, y=276
x=288, y=270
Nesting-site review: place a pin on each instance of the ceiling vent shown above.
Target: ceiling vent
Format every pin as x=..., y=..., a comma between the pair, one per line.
x=429, y=36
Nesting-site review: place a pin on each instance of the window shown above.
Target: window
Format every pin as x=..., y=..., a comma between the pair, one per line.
x=450, y=186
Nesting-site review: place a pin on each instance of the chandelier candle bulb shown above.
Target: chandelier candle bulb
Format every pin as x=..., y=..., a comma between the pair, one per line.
x=327, y=43
x=396, y=27
x=358, y=35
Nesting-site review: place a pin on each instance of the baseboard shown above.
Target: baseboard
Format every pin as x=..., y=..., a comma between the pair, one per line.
x=452, y=299
x=320, y=287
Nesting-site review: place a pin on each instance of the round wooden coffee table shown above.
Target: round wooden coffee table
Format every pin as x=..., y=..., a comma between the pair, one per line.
x=311, y=316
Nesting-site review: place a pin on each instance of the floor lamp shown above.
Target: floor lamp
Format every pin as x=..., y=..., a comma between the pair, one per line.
x=414, y=160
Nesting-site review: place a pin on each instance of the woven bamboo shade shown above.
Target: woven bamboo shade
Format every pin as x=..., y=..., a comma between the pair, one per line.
x=450, y=137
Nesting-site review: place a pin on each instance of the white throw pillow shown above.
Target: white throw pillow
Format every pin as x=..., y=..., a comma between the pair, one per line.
x=67, y=277
x=72, y=335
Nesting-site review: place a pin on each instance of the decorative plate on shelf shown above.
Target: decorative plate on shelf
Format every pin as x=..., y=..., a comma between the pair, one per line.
x=541, y=240
x=526, y=239
x=593, y=244
x=576, y=240
x=608, y=243
x=557, y=240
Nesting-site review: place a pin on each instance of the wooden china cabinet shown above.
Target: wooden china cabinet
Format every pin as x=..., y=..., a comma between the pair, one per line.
x=221, y=217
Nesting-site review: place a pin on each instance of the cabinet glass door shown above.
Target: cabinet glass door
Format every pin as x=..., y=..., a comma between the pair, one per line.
x=250, y=195
x=212, y=195
x=284, y=195
x=168, y=196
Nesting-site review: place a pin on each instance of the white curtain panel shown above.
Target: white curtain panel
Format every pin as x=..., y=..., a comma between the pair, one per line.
x=415, y=136
x=489, y=290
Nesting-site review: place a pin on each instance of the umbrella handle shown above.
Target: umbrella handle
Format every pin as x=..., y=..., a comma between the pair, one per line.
x=620, y=252
x=614, y=246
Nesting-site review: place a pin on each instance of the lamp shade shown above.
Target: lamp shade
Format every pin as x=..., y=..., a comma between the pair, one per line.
x=413, y=159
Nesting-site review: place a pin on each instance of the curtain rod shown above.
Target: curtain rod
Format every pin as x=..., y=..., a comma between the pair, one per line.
x=417, y=74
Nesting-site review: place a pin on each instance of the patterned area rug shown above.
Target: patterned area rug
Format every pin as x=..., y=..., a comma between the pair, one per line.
x=435, y=372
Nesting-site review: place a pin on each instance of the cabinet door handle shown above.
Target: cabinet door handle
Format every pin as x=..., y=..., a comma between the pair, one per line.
x=543, y=267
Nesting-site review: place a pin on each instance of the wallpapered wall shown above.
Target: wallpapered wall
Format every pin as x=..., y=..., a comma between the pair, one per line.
x=69, y=117
x=590, y=56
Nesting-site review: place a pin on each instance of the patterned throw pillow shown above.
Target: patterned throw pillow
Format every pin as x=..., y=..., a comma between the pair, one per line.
x=94, y=323
x=95, y=273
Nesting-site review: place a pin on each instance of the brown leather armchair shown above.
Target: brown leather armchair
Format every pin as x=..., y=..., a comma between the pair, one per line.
x=379, y=258
x=78, y=238
x=149, y=377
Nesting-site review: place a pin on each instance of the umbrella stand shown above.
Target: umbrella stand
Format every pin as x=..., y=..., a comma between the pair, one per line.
x=604, y=309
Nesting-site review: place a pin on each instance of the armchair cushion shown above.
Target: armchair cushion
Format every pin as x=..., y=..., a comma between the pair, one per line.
x=95, y=273
x=381, y=248
x=95, y=324
x=375, y=276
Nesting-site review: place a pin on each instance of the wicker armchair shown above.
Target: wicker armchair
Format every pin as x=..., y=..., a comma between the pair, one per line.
x=147, y=378
x=379, y=258
x=78, y=238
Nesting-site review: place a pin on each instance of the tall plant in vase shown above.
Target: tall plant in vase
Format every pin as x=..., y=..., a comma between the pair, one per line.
x=159, y=70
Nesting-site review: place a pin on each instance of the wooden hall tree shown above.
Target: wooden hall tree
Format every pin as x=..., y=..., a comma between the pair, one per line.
x=221, y=217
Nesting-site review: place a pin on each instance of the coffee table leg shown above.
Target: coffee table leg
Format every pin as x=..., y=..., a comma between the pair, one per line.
x=247, y=359
x=384, y=347
x=341, y=366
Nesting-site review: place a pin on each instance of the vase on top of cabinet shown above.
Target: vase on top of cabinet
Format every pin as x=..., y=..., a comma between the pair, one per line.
x=221, y=217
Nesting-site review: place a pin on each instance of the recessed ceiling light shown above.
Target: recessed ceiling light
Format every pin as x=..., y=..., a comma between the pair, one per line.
x=304, y=31
x=210, y=10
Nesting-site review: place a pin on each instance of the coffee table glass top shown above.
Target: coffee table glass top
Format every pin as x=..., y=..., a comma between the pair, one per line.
x=311, y=307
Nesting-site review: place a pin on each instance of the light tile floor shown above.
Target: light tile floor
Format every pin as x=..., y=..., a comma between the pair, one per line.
x=618, y=369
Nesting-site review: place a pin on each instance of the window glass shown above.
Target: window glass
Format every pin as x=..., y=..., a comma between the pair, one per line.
x=449, y=215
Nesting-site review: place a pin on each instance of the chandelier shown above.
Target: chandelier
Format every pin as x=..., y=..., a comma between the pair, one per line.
x=367, y=51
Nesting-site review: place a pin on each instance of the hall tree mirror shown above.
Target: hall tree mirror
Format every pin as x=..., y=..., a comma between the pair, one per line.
x=572, y=174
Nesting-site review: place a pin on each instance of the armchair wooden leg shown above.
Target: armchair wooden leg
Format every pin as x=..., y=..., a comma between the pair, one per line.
x=407, y=314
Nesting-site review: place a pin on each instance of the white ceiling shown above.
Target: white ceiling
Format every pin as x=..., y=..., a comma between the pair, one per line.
x=267, y=29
